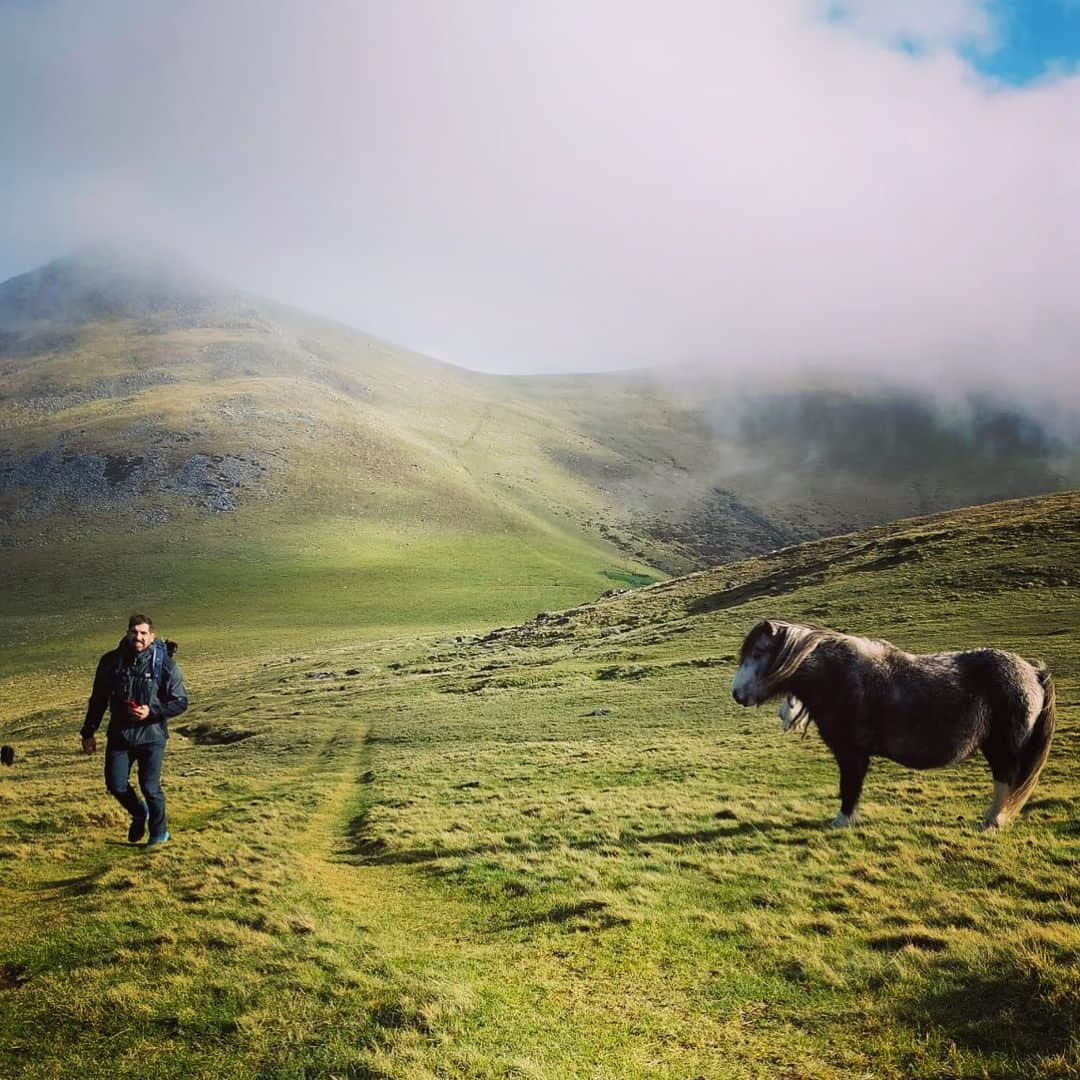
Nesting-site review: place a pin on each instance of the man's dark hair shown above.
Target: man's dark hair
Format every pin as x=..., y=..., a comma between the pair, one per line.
x=137, y=620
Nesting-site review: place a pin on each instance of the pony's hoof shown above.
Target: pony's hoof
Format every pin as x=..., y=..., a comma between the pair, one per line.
x=991, y=825
x=842, y=821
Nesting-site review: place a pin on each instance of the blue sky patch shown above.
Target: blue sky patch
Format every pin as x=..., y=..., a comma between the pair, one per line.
x=1033, y=39
x=1037, y=38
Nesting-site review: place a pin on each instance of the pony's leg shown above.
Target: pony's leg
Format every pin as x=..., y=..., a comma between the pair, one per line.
x=853, y=767
x=1000, y=760
x=994, y=818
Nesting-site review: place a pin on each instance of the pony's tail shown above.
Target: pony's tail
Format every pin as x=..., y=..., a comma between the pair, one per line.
x=1036, y=750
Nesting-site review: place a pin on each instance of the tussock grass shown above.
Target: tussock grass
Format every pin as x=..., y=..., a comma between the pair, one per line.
x=475, y=857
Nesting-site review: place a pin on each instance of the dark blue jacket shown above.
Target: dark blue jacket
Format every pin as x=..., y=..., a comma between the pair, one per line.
x=124, y=675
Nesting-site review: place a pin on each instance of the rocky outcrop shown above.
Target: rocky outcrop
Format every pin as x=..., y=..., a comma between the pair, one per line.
x=119, y=483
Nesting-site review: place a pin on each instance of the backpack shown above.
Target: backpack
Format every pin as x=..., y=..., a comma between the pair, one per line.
x=162, y=648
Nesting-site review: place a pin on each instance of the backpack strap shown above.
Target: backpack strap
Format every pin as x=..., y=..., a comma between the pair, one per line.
x=157, y=661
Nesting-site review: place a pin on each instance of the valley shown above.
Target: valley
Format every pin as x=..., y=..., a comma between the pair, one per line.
x=558, y=848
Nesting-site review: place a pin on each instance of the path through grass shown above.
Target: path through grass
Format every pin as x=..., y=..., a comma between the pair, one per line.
x=558, y=850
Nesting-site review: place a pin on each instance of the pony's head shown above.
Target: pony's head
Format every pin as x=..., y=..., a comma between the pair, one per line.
x=771, y=653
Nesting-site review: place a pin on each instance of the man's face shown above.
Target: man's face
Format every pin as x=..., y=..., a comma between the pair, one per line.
x=140, y=637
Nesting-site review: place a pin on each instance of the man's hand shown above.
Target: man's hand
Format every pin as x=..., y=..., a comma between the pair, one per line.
x=140, y=712
x=89, y=744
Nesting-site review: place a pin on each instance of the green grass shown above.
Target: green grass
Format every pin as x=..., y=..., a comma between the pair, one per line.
x=559, y=849
x=674, y=473
x=256, y=586
x=629, y=578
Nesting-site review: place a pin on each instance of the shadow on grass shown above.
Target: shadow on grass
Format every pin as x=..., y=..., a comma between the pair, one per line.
x=584, y=915
x=364, y=846
x=1012, y=1010
x=784, y=832
x=80, y=885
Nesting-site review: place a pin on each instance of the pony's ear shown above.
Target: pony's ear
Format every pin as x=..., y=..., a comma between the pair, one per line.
x=770, y=628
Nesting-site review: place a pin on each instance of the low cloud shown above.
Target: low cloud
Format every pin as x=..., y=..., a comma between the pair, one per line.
x=557, y=186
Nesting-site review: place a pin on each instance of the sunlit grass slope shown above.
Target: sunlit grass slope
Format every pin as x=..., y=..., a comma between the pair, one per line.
x=134, y=395
x=559, y=849
x=249, y=588
x=342, y=487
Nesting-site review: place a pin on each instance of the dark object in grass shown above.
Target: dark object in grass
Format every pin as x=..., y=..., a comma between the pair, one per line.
x=870, y=699
x=209, y=735
x=7, y=755
x=621, y=671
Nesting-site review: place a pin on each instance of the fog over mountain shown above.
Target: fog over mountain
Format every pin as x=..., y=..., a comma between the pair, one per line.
x=135, y=392
x=103, y=281
x=559, y=187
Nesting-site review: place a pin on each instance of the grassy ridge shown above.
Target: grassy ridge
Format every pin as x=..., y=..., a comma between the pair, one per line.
x=559, y=849
x=137, y=394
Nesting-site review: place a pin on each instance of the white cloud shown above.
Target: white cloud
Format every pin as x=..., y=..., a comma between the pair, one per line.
x=925, y=24
x=554, y=185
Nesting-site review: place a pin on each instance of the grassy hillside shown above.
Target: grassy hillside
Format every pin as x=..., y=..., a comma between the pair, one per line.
x=141, y=401
x=559, y=849
x=714, y=467
x=257, y=476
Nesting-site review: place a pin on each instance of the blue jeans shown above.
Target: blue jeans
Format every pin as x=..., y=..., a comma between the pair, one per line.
x=119, y=757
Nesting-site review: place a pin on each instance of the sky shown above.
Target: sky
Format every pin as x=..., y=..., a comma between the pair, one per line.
x=564, y=185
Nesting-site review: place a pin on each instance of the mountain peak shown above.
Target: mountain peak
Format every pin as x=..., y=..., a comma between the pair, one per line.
x=106, y=281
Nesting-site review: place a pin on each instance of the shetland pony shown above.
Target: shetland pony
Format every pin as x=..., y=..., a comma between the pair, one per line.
x=870, y=699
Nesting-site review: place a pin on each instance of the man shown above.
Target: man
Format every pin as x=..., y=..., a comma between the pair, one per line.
x=142, y=687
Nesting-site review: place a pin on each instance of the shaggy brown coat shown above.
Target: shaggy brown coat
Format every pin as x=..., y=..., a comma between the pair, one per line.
x=870, y=699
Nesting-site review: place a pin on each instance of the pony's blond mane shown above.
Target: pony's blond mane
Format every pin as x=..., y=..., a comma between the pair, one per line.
x=797, y=642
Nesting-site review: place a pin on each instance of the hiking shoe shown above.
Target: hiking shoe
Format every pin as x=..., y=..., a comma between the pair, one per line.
x=137, y=829
x=157, y=841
